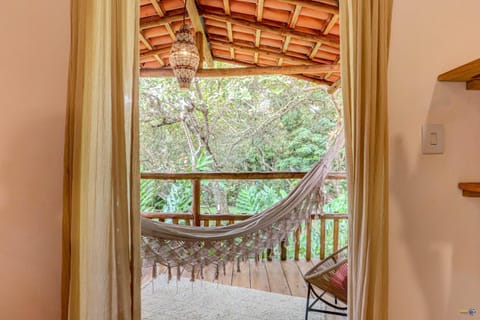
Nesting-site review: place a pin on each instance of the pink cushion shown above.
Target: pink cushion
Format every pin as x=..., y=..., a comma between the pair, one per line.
x=339, y=280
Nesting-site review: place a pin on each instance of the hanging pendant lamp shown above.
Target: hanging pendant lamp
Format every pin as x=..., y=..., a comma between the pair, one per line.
x=184, y=57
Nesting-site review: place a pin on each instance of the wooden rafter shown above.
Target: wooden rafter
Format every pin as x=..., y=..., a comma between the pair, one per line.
x=315, y=50
x=145, y=41
x=314, y=5
x=334, y=3
x=160, y=51
x=334, y=87
x=263, y=52
x=248, y=71
x=310, y=79
x=257, y=44
x=159, y=60
x=329, y=40
x=257, y=38
x=260, y=4
x=199, y=27
x=199, y=44
x=149, y=47
x=286, y=43
x=229, y=32
x=331, y=24
x=226, y=6
x=295, y=15
x=162, y=21
x=170, y=31
x=298, y=76
x=157, y=8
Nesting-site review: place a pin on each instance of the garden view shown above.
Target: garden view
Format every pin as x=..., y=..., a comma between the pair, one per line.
x=242, y=124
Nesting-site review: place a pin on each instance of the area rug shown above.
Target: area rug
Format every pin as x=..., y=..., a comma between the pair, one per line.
x=199, y=300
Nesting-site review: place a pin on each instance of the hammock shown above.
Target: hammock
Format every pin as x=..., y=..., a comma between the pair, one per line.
x=195, y=247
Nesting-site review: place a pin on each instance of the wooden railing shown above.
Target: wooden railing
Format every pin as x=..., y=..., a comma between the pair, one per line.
x=318, y=221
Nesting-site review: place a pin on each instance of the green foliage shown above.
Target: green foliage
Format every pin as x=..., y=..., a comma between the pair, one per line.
x=269, y=123
x=253, y=198
x=179, y=197
x=149, y=198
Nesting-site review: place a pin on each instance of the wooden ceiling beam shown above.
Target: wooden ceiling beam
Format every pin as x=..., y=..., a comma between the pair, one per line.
x=229, y=32
x=260, y=5
x=199, y=44
x=331, y=24
x=334, y=3
x=157, y=8
x=170, y=31
x=295, y=15
x=315, y=50
x=226, y=6
x=298, y=76
x=286, y=43
x=159, y=60
x=334, y=87
x=271, y=54
x=145, y=41
x=257, y=44
x=258, y=34
x=248, y=71
x=161, y=51
x=149, y=47
x=314, y=5
x=314, y=80
x=198, y=25
x=329, y=40
x=162, y=21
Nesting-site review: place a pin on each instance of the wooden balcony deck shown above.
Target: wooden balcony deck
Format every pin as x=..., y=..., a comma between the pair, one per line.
x=283, y=277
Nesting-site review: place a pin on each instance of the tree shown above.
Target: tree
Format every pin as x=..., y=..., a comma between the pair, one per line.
x=269, y=123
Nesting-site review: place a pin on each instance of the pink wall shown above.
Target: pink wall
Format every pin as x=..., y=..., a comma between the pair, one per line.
x=33, y=71
x=434, y=231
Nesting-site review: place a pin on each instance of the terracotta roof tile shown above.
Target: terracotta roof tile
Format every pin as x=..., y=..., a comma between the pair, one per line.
x=290, y=32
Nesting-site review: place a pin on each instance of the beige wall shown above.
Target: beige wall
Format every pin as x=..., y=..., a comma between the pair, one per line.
x=33, y=71
x=435, y=257
x=434, y=231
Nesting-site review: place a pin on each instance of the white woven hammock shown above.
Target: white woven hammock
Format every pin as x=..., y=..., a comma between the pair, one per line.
x=195, y=247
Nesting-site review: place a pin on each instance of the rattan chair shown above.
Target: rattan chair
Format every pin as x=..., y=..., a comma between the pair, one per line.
x=320, y=278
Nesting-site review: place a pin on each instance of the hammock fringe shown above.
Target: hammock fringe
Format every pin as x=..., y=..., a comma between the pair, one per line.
x=189, y=247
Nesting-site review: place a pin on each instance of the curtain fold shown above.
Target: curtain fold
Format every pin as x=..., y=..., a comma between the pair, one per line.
x=101, y=235
x=365, y=32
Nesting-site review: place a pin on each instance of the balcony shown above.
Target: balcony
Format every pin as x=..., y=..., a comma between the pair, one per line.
x=278, y=269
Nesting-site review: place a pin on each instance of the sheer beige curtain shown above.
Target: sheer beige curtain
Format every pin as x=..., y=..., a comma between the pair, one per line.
x=101, y=258
x=365, y=29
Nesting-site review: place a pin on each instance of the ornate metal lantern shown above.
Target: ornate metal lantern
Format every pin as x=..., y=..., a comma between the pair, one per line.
x=184, y=57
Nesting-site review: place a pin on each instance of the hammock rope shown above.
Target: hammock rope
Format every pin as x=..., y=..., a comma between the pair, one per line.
x=192, y=248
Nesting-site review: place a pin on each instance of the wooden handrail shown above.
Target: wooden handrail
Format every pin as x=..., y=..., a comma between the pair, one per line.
x=235, y=175
x=223, y=216
x=319, y=220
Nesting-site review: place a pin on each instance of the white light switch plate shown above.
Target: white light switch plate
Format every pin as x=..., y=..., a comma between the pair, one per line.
x=433, y=139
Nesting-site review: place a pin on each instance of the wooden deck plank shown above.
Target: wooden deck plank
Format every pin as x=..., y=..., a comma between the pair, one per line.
x=304, y=266
x=294, y=278
x=258, y=276
x=276, y=278
x=283, y=277
x=242, y=278
x=226, y=278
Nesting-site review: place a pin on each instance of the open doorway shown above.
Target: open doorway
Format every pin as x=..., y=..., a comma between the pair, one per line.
x=243, y=125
